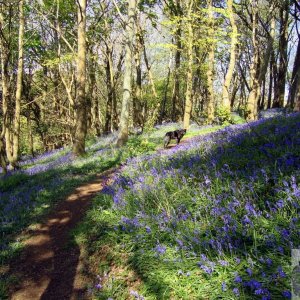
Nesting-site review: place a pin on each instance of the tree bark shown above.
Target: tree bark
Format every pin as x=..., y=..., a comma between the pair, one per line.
x=16, y=130
x=254, y=92
x=228, y=77
x=176, y=91
x=189, y=75
x=295, y=80
x=279, y=93
x=210, y=67
x=127, y=90
x=81, y=102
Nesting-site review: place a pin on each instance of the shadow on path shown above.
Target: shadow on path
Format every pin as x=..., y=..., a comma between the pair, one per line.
x=49, y=268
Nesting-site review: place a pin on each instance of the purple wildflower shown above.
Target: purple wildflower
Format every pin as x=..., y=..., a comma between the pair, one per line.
x=236, y=291
x=287, y=294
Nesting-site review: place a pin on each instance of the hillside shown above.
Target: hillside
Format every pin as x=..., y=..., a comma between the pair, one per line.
x=214, y=218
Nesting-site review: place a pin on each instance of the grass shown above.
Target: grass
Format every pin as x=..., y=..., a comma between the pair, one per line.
x=28, y=195
x=214, y=218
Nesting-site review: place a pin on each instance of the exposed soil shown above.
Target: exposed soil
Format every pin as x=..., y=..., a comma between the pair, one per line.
x=49, y=268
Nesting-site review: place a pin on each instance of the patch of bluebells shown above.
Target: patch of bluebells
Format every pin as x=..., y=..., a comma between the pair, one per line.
x=232, y=194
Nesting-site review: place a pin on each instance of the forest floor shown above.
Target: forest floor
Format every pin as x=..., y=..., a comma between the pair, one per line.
x=51, y=266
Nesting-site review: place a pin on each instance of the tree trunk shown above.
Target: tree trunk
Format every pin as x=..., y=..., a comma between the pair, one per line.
x=259, y=65
x=109, y=83
x=255, y=88
x=127, y=91
x=176, y=90
x=295, y=81
x=16, y=129
x=137, y=96
x=81, y=102
x=270, y=81
x=228, y=77
x=163, y=108
x=189, y=75
x=283, y=56
x=210, y=68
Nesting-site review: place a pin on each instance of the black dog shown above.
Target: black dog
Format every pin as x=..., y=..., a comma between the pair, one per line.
x=177, y=134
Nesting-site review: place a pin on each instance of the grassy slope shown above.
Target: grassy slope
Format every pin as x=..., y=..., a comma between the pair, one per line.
x=212, y=219
x=28, y=195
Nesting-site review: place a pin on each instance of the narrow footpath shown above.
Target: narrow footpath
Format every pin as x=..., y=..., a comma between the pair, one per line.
x=49, y=268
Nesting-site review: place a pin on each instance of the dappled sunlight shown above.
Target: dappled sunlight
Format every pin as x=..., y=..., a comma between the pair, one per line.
x=220, y=210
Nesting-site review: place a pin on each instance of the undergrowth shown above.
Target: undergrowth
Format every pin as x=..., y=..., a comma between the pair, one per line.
x=214, y=218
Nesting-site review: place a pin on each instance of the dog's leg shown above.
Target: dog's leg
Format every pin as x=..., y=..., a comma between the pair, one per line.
x=166, y=141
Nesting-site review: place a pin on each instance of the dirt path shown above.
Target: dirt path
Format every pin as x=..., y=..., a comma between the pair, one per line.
x=48, y=269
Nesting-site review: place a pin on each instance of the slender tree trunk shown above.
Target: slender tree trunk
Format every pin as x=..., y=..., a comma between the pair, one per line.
x=270, y=81
x=228, y=77
x=163, y=108
x=16, y=130
x=295, y=81
x=154, y=115
x=236, y=85
x=109, y=83
x=210, y=67
x=254, y=93
x=127, y=91
x=259, y=65
x=176, y=90
x=5, y=150
x=29, y=134
x=137, y=97
x=189, y=77
x=283, y=55
x=297, y=100
x=81, y=102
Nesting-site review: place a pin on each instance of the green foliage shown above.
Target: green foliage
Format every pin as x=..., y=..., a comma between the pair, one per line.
x=138, y=145
x=10, y=182
x=224, y=115
x=243, y=111
x=237, y=119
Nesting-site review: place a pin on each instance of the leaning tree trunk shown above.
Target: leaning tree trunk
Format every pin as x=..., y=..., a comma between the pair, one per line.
x=189, y=75
x=210, y=69
x=127, y=90
x=81, y=103
x=228, y=77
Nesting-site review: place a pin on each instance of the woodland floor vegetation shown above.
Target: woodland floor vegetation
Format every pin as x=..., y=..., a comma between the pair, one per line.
x=29, y=194
x=213, y=218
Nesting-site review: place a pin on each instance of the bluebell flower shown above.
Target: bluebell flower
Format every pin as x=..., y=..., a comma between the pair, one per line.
x=236, y=291
x=160, y=249
x=238, y=279
x=287, y=294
